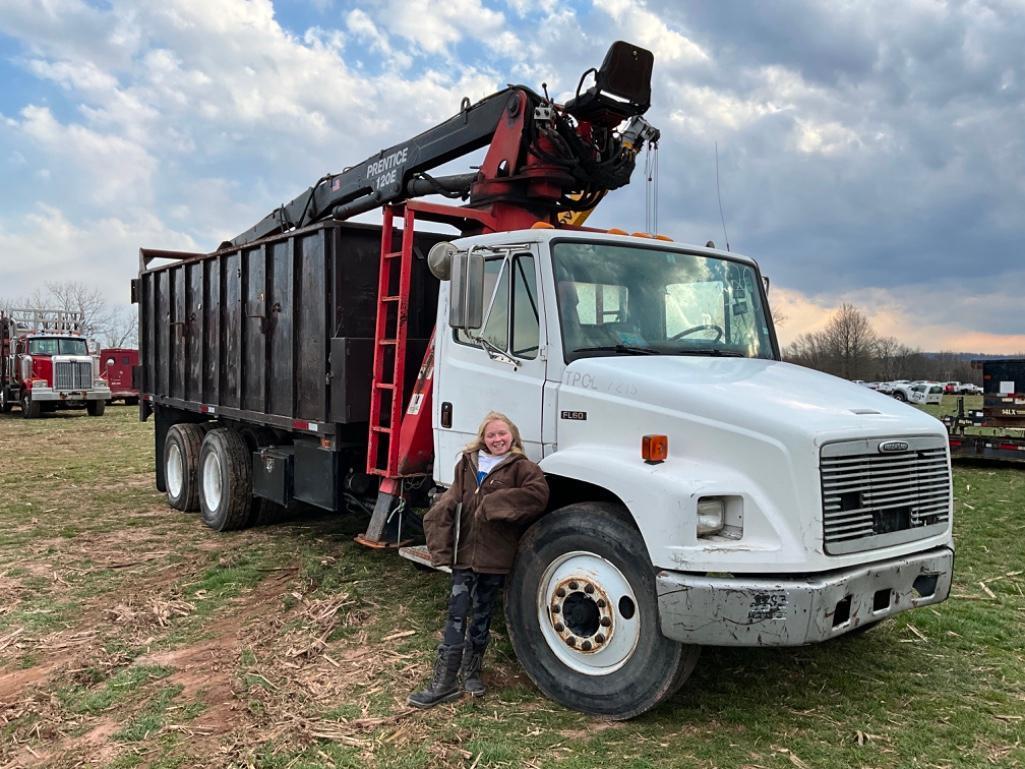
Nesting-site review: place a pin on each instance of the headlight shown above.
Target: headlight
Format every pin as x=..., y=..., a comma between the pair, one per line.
x=711, y=514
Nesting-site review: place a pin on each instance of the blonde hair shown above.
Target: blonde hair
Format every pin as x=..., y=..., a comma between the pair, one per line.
x=477, y=444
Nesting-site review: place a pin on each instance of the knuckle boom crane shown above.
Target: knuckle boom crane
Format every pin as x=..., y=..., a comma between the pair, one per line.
x=544, y=160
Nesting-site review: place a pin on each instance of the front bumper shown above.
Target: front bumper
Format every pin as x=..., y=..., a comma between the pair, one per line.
x=45, y=394
x=739, y=611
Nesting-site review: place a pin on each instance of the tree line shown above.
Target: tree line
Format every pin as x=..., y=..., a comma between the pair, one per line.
x=849, y=347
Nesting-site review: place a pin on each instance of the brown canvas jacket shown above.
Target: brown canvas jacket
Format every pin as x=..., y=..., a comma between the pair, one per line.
x=493, y=516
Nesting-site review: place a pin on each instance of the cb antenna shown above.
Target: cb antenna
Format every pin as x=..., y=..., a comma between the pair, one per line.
x=718, y=194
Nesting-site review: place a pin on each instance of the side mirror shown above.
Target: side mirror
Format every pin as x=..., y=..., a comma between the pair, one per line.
x=765, y=282
x=466, y=299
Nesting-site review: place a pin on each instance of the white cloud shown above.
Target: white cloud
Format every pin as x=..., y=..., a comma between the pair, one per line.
x=435, y=27
x=639, y=25
x=101, y=253
x=111, y=167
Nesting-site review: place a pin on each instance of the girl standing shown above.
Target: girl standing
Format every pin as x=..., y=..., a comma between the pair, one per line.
x=474, y=527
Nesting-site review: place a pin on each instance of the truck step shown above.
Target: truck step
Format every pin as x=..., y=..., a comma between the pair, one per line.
x=419, y=554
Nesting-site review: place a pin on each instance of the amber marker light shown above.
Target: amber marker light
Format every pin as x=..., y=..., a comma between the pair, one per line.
x=654, y=448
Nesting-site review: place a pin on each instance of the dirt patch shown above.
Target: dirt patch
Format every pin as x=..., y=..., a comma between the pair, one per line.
x=14, y=684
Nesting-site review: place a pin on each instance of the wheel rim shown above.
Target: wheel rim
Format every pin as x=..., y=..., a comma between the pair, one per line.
x=588, y=613
x=175, y=471
x=212, y=482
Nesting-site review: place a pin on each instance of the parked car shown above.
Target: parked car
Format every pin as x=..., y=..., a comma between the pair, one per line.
x=951, y=388
x=967, y=388
x=920, y=392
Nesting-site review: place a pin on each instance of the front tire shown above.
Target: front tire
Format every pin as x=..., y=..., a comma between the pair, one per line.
x=30, y=409
x=901, y=397
x=225, y=480
x=582, y=615
x=5, y=405
x=96, y=408
x=181, y=461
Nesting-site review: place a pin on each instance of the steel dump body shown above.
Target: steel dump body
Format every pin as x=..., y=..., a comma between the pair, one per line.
x=274, y=333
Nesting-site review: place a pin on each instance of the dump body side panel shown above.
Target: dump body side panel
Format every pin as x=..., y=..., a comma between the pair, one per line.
x=247, y=333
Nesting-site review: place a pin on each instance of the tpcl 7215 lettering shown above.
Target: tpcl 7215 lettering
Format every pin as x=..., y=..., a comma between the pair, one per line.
x=702, y=491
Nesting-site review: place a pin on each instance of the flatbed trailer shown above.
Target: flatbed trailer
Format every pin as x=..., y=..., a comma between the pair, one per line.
x=1003, y=413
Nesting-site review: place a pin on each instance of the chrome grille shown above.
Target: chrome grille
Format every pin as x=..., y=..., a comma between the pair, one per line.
x=72, y=375
x=872, y=499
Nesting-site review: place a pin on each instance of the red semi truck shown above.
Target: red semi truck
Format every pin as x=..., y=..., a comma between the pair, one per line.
x=117, y=369
x=45, y=364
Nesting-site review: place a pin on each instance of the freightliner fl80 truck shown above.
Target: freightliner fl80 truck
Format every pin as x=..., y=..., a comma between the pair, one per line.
x=702, y=491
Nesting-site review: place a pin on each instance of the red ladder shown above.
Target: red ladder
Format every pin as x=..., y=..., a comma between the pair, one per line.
x=390, y=336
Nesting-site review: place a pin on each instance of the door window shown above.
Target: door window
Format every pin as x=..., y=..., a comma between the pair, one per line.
x=513, y=325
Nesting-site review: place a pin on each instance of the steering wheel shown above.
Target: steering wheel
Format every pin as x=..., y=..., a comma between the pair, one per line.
x=694, y=329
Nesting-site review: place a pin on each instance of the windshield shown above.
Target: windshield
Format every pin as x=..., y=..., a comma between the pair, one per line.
x=624, y=300
x=56, y=346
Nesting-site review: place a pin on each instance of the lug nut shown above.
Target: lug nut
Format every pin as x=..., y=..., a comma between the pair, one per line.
x=555, y=609
x=586, y=646
x=571, y=641
x=561, y=593
x=588, y=588
x=599, y=639
x=572, y=585
x=605, y=622
x=559, y=627
x=601, y=603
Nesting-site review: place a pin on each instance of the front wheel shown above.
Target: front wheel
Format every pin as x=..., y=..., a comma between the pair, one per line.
x=583, y=617
x=30, y=409
x=5, y=405
x=900, y=396
x=96, y=408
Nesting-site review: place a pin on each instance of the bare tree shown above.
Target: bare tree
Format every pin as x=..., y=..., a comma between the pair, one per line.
x=122, y=328
x=850, y=341
x=109, y=326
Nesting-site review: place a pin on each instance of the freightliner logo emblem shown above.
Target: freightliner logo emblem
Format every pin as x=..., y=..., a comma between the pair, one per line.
x=893, y=447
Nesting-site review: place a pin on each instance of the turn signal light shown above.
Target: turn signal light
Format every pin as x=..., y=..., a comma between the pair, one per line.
x=654, y=448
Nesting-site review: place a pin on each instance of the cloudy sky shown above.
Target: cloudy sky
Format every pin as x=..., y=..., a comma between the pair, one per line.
x=869, y=152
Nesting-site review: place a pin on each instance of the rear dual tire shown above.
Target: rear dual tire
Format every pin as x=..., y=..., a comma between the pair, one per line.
x=181, y=460
x=597, y=646
x=225, y=481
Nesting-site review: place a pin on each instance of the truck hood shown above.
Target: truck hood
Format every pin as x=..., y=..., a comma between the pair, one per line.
x=763, y=396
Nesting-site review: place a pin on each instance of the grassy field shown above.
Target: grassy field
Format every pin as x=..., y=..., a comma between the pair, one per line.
x=132, y=636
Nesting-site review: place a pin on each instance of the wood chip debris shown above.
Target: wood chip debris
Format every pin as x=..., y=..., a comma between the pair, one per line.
x=921, y=636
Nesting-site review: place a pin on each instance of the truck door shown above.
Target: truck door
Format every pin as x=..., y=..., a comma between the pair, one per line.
x=509, y=377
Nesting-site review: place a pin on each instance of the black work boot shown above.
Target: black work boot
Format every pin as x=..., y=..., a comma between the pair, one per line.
x=444, y=686
x=472, y=661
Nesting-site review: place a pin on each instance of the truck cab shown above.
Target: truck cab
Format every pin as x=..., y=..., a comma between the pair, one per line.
x=47, y=371
x=773, y=504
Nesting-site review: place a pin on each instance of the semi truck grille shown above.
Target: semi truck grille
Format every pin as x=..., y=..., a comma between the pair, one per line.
x=72, y=375
x=871, y=498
